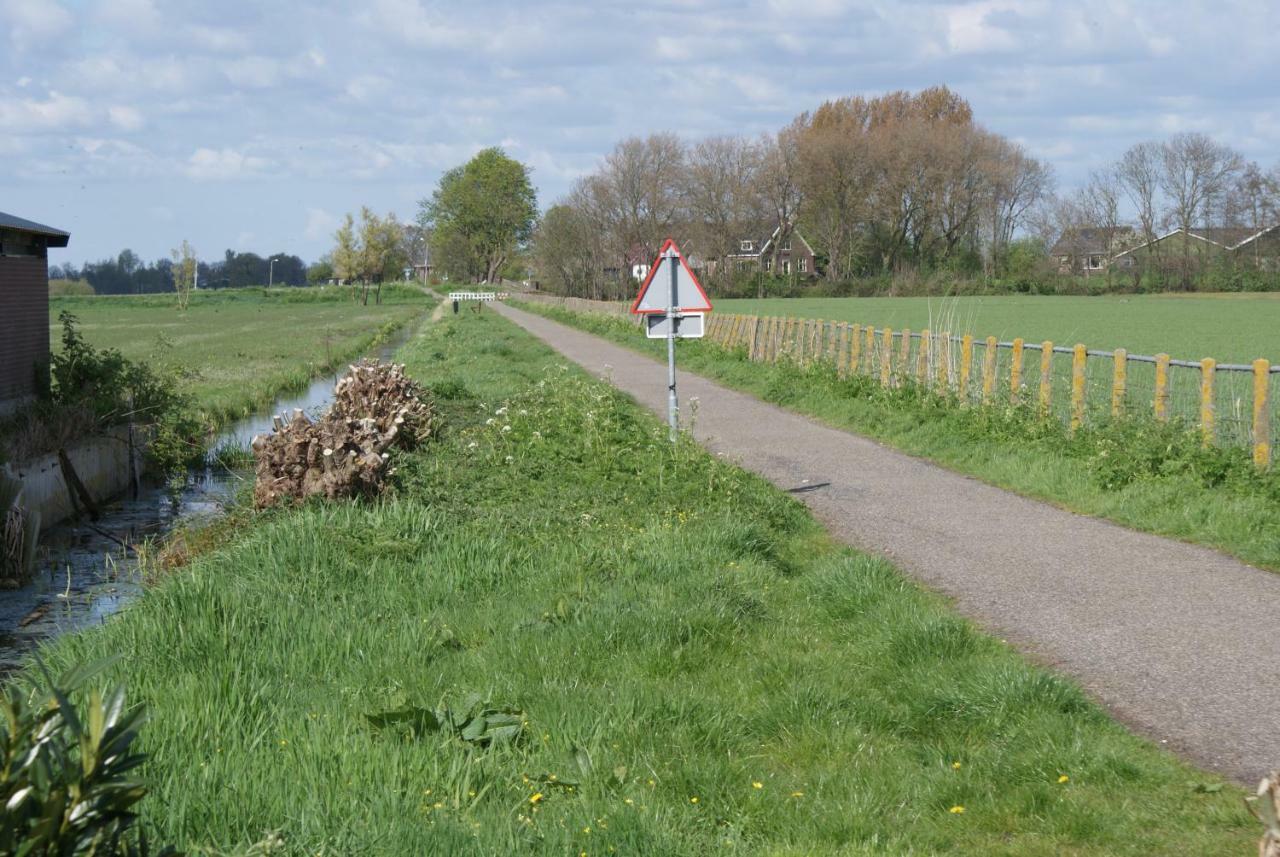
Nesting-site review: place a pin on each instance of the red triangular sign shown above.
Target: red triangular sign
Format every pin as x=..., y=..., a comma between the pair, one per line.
x=655, y=292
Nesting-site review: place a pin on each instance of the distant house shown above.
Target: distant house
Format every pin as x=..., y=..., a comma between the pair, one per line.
x=795, y=255
x=1089, y=249
x=24, y=306
x=1241, y=243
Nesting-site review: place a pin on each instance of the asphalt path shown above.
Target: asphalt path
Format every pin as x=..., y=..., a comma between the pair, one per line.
x=1177, y=641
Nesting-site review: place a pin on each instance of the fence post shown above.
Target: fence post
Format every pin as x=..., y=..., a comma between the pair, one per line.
x=966, y=365
x=1046, y=377
x=943, y=360
x=989, y=369
x=886, y=359
x=1261, y=414
x=816, y=330
x=1079, y=361
x=922, y=358
x=855, y=346
x=755, y=335
x=904, y=356
x=1015, y=371
x=1162, y=387
x=842, y=351
x=870, y=350
x=1208, y=366
x=1118, y=380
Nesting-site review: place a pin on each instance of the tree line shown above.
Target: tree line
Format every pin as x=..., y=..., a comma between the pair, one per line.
x=876, y=185
x=128, y=274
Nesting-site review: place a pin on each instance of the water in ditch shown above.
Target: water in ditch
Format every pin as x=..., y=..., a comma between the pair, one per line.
x=86, y=571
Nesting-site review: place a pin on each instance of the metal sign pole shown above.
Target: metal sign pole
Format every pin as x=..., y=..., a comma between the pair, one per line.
x=673, y=406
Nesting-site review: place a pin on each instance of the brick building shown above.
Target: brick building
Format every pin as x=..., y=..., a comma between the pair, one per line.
x=24, y=305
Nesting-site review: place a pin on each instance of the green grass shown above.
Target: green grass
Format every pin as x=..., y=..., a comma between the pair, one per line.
x=1140, y=474
x=671, y=641
x=1231, y=328
x=244, y=346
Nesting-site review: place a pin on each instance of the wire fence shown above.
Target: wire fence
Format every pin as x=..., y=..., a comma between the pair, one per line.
x=1230, y=404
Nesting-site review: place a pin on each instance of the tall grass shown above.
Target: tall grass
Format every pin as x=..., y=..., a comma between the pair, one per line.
x=690, y=664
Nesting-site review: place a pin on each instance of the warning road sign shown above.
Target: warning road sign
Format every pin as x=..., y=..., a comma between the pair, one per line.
x=689, y=295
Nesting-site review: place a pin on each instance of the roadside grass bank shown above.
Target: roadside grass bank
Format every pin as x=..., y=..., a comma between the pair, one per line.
x=237, y=350
x=1148, y=476
x=1229, y=327
x=561, y=635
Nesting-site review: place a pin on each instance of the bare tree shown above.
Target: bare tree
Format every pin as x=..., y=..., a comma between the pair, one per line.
x=720, y=195
x=780, y=186
x=639, y=192
x=1018, y=182
x=1254, y=202
x=1195, y=171
x=1100, y=201
x=1139, y=174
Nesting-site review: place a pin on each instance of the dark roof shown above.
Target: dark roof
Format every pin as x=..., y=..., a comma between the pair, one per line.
x=55, y=237
x=1087, y=240
x=1227, y=236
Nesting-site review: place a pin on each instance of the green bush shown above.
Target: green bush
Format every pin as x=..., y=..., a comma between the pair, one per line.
x=66, y=775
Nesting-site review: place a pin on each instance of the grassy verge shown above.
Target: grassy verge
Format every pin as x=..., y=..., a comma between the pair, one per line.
x=1138, y=473
x=696, y=667
x=241, y=348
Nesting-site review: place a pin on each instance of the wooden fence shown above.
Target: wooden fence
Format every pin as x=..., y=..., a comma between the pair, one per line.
x=1228, y=403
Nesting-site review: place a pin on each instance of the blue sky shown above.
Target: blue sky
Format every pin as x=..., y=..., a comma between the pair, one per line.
x=255, y=126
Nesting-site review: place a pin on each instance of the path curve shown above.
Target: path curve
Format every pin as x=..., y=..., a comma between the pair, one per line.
x=1178, y=641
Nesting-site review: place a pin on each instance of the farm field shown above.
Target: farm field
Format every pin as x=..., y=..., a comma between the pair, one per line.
x=1231, y=328
x=242, y=347
x=694, y=666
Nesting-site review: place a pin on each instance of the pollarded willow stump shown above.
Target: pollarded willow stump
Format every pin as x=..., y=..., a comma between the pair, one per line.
x=346, y=452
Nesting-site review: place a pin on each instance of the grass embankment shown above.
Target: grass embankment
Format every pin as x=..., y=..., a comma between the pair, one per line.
x=699, y=668
x=1151, y=477
x=1231, y=328
x=243, y=347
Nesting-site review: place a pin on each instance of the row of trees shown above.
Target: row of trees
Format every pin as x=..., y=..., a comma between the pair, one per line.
x=376, y=250
x=878, y=185
x=1186, y=182
x=128, y=274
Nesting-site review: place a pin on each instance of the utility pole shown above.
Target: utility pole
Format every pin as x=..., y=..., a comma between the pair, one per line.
x=271, y=271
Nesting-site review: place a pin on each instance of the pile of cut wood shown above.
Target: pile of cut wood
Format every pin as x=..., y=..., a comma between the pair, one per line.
x=344, y=453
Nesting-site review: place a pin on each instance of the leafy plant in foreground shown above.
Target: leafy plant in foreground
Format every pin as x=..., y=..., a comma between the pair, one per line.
x=65, y=779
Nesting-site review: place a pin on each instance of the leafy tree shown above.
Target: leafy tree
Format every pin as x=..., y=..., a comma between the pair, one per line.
x=321, y=272
x=184, y=273
x=346, y=253
x=486, y=208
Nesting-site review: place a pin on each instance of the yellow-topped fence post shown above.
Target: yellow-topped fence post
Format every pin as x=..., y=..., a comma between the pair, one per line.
x=1118, y=380
x=886, y=359
x=1208, y=406
x=1261, y=414
x=922, y=358
x=989, y=369
x=870, y=350
x=1015, y=371
x=1079, y=360
x=842, y=348
x=904, y=359
x=944, y=363
x=1162, y=387
x=1046, y=377
x=855, y=346
x=966, y=365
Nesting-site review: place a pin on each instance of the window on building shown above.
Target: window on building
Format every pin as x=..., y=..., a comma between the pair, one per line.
x=804, y=265
x=1095, y=262
x=746, y=246
x=786, y=245
x=786, y=266
x=768, y=264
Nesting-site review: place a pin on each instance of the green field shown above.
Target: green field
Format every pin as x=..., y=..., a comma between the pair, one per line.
x=242, y=347
x=696, y=667
x=1231, y=328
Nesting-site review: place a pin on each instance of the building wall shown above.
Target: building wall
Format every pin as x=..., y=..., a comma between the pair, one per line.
x=24, y=323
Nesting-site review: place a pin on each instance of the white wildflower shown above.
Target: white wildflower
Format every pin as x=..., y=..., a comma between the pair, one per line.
x=506, y=429
x=501, y=411
x=510, y=459
x=490, y=421
x=472, y=445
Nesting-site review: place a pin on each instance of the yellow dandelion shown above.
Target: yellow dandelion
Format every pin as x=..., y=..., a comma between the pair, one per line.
x=757, y=784
x=586, y=830
x=797, y=794
x=956, y=810
x=1064, y=778
x=693, y=799
x=955, y=766
x=535, y=797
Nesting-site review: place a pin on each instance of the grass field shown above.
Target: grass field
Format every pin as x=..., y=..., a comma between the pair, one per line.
x=696, y=667
x=1144, y=475
x=243, y=346
x=1231, y=328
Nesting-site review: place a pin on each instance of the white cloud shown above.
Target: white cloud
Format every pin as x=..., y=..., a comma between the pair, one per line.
x=253, y=72
x=320, y=225
x=34, y=20
x=55, y=112
x=124, y=117
x=222, y=164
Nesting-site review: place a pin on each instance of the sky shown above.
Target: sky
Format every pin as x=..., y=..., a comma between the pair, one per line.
x=256, y=126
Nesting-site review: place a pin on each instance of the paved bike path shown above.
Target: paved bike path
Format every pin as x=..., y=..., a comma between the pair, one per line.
x=1178, y=641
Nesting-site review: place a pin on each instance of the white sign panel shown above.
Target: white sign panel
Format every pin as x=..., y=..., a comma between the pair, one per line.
x=688, y=326
x=655, y=292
